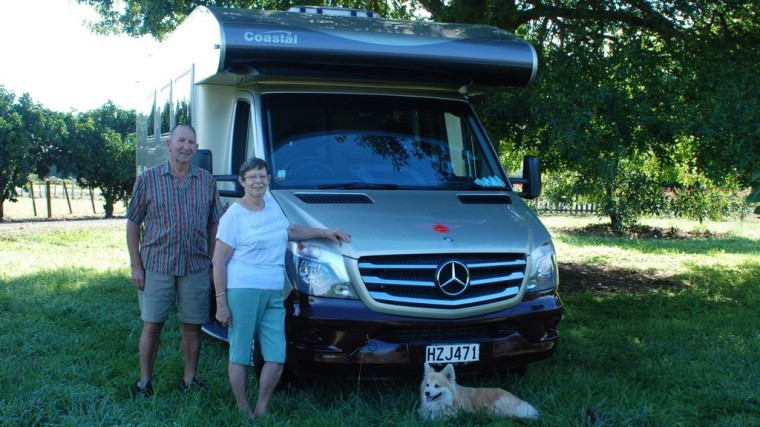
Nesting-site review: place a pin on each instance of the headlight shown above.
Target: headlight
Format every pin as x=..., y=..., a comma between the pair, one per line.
x=319, y=272
x=543, y=269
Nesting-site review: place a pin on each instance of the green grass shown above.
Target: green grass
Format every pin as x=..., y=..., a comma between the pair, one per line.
x=683, y=355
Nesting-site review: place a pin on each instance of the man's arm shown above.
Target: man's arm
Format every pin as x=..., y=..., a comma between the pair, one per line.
x=211, y=237
x=135, y=262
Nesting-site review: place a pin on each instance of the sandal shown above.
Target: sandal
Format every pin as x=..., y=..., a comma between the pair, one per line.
x=196, y=384
x=141, y=390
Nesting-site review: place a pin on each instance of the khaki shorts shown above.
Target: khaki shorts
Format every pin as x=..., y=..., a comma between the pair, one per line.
x=190, y=293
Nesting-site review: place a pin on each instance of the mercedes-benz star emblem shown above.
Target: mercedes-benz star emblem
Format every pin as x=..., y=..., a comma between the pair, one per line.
x=452, y=277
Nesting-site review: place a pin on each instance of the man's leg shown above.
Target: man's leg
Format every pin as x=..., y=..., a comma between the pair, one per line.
x=193, y=307
x=191, y=346
x=270, y=376
x=237, y=374
x=149, y=341
x=156, y=300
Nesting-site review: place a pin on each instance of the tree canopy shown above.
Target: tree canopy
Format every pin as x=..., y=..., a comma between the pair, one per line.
x=638, y=105
x=158, y=18
x=15, y=166
x=102, y=146
x=97, y=147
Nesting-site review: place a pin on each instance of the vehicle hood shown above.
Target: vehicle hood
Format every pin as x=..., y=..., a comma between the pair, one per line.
x=400, y=222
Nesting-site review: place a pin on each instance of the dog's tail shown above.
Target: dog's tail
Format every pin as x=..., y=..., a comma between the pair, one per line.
x=525, y=410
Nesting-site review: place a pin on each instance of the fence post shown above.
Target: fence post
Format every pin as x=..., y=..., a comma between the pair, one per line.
x=49, y=201
x=66, y=192
x=31, y=192
x=92, y=200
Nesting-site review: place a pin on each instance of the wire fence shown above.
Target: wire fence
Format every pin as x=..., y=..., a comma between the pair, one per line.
x=56, y=199
x=564, y=207
x=567, y=208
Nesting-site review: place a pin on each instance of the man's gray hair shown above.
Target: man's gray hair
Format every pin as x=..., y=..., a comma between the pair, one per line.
x=183, y=125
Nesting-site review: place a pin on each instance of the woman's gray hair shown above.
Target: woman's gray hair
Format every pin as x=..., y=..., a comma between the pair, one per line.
x=254, y=163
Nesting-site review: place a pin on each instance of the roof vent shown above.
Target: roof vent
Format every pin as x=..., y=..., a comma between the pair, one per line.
x=484, y=199
x=334, y=11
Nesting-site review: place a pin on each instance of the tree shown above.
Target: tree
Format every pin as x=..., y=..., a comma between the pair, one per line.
x=754, y=197
x=102, y=144
x=97, y=147
x=626, y=84
x=15, y=162
x=45, y=130
x=158, y=18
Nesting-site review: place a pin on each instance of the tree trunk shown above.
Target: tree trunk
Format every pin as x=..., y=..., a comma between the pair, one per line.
x=615, y=222
x=108, y=207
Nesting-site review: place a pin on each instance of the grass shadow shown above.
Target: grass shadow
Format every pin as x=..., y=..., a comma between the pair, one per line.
x=661, y=357
x=579, y=277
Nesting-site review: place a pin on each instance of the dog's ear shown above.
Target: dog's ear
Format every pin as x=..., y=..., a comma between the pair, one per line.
x=428, y=368
x=448, y=372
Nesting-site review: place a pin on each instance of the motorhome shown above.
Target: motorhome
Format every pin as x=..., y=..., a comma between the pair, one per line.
x=367, y=126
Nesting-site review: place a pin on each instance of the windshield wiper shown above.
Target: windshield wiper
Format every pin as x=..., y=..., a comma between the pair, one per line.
x=358, y=186
x=469, y=186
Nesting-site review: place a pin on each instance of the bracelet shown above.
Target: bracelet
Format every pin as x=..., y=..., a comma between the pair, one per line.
x=221, y=293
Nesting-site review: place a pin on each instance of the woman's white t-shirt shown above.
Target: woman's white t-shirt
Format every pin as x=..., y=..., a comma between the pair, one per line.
x=259, y=240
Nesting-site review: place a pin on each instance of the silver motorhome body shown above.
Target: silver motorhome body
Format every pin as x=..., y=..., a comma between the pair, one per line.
x=367, y=126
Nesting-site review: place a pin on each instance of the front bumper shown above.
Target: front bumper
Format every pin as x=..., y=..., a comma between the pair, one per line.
x=342, y=338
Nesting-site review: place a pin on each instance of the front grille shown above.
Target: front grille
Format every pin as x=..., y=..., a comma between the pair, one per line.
x=410, y=280
x=447, y=334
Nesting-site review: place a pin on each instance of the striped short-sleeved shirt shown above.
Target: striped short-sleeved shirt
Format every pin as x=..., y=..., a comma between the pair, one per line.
x=174, y=217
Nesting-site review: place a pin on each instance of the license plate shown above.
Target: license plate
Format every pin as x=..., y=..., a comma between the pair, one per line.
x=456, y=353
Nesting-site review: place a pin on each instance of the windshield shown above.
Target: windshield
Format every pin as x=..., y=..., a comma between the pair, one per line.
x=365, y=141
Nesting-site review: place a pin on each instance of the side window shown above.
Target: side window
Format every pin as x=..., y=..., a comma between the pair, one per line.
x=150, y=148
x=467, y=151
x=240, y=132
x=164, y=106
x=181, y=98
x=150, y=116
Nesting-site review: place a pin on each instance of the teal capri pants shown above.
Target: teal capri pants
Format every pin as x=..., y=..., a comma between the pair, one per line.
x=256, y=312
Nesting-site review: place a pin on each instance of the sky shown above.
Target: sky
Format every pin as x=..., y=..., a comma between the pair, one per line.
x=47, y=51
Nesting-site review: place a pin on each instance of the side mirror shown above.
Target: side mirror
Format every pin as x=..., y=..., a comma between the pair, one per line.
x=203, y=159
x=531, y=178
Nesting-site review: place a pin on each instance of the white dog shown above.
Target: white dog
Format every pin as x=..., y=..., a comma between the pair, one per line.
x=442, y=397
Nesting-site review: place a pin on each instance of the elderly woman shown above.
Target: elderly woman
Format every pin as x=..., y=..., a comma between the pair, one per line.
x=249, y=272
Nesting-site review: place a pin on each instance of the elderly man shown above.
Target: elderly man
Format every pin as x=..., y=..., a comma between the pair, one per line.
x=171, y=228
